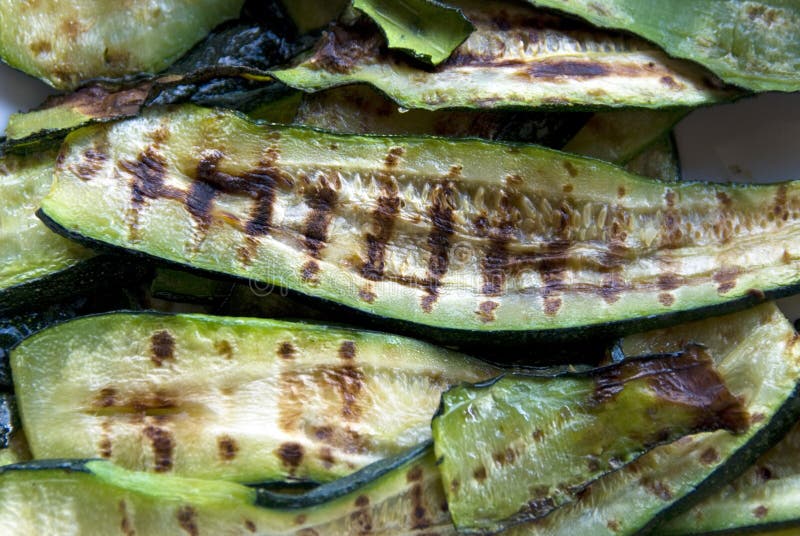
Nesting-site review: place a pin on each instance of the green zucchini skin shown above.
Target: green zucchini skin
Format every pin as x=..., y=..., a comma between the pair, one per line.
x=520, y=447
x=67, y=45
x=95, y=497
x=516, y=57
x=187, y=394
x=425, y=29
x=750, y=44
x=528, y=261
x=764, y=498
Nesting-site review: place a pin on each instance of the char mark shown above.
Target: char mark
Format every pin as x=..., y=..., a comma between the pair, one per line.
x=322, y=203
x=163, y=446
x=441, y=213
x=384, y=219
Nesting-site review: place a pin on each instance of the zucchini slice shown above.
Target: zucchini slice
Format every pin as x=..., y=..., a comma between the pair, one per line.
x=472, y=237
x=360, y=109
x=96, y=497
x=225, y=398
x=425, y=29
x=758, y=356
x=766, y=497
x=752, y=44
x=521, y=447
x=68, y=44
x=517, y=56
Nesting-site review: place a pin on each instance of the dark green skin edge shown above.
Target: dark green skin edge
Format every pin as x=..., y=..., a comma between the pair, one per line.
x=766, y=438
x=97, y=273
x=551, y=345
x=9, y=419
x=68, y=466
x=341, y=486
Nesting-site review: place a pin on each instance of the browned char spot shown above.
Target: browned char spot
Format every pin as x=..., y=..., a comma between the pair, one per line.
x=300, y=519
x=613, y=525
x=106, y=398
x=105, y=446
x=322, y=202
x=291, y=455
x=187, y=519
x=764, y=473
x=249, y=525
x=362, y=521
x=162, y=347
x=726, y=278
x=554, y=69
x=505, y=457
x=91, y=162
x=199, y=202
x=414, y=474
x=348, y=381
x=227, y=447
x=286, y=350
x=347, y=350
x=367, y=295
x=418, y=510
x=479, y=473
x=669, y=82
x=666, y=299
x=760, y=511
x=613, y=287
x=573, y=172
x=441, y=214
x=224, y=349
x=342, y=438
x=709, y=456
x=71, y=28
x=388, y=207
x=309, y=272
x=362, y=501
x=621, y=192
x=326, y=456
x=495, y=262
x=125, y=524
x=658, y=488
x=41, y=47
x=486, y=311
x=538, y=434
x=393, y=156
x=162, y=447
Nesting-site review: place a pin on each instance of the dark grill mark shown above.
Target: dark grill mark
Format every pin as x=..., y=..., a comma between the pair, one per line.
x=613, y=286
x=394, y=156
x=495, y=263
x=125, y=523
x=566, y=69
x=384, y=218
x=90, y=164
x=162, y=347
x=105, y=445
x=418, y=510
x=162, y=447
x=613, y=525
x=415, y=474
x=670, y=82
x=658, y=488
x=348, y=381
x=347, y=350
x=669, y=281
x=362, y=521
x=224, y=349
x=199, y=202
x=106, y=398
x=326, y=457
x=291, y=455
x=362, y=501
x=227, y=448
x=573, y=172
x=322, y=203
x=187, y=519
x=441, y=213
x=666, y=299
x=249, y=525
x=367, y=295
x=505, y=457
x=342, y=438
x=709, y=456
x=479, y=473
x=309, y=272
x=486, y=311
x=552, y=269
x=287, y=350
x=290, y=403
x=764, y=473
x=726, y=278
x=760, y=511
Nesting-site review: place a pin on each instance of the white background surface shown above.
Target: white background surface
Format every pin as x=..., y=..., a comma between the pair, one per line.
x=755, y=139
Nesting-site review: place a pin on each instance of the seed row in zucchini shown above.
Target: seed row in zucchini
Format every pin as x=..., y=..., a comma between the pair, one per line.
x=520, y=447
x=466, y=236
x=68, y=44
x=96, y=497
x=237, y=399
x=765, y=497
x=426, y=29
x=751, y=44
x=517, y=56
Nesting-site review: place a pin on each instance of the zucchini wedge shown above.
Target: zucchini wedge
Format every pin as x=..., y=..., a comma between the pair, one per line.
x=758, y=357
x=225, y=398
x=765, y=498
x=66, y=44
x=517, y=56
x=750, y=44
x=472, y=239
x=96, y=497
x=425, y=29
x=520, y=447
x=360, y=109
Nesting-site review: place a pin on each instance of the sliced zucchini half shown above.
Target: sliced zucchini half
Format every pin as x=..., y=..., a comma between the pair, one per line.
x=472, y=238
x=765, y=498
x=517, y=56
x=757, y=354
x=522, y=446
x=751, y=44
x=224, y=398
x=96, y=497
x=66, y=44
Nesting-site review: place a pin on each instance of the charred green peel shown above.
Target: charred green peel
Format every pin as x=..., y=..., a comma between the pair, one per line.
x=524, y=446
x=465, y=235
